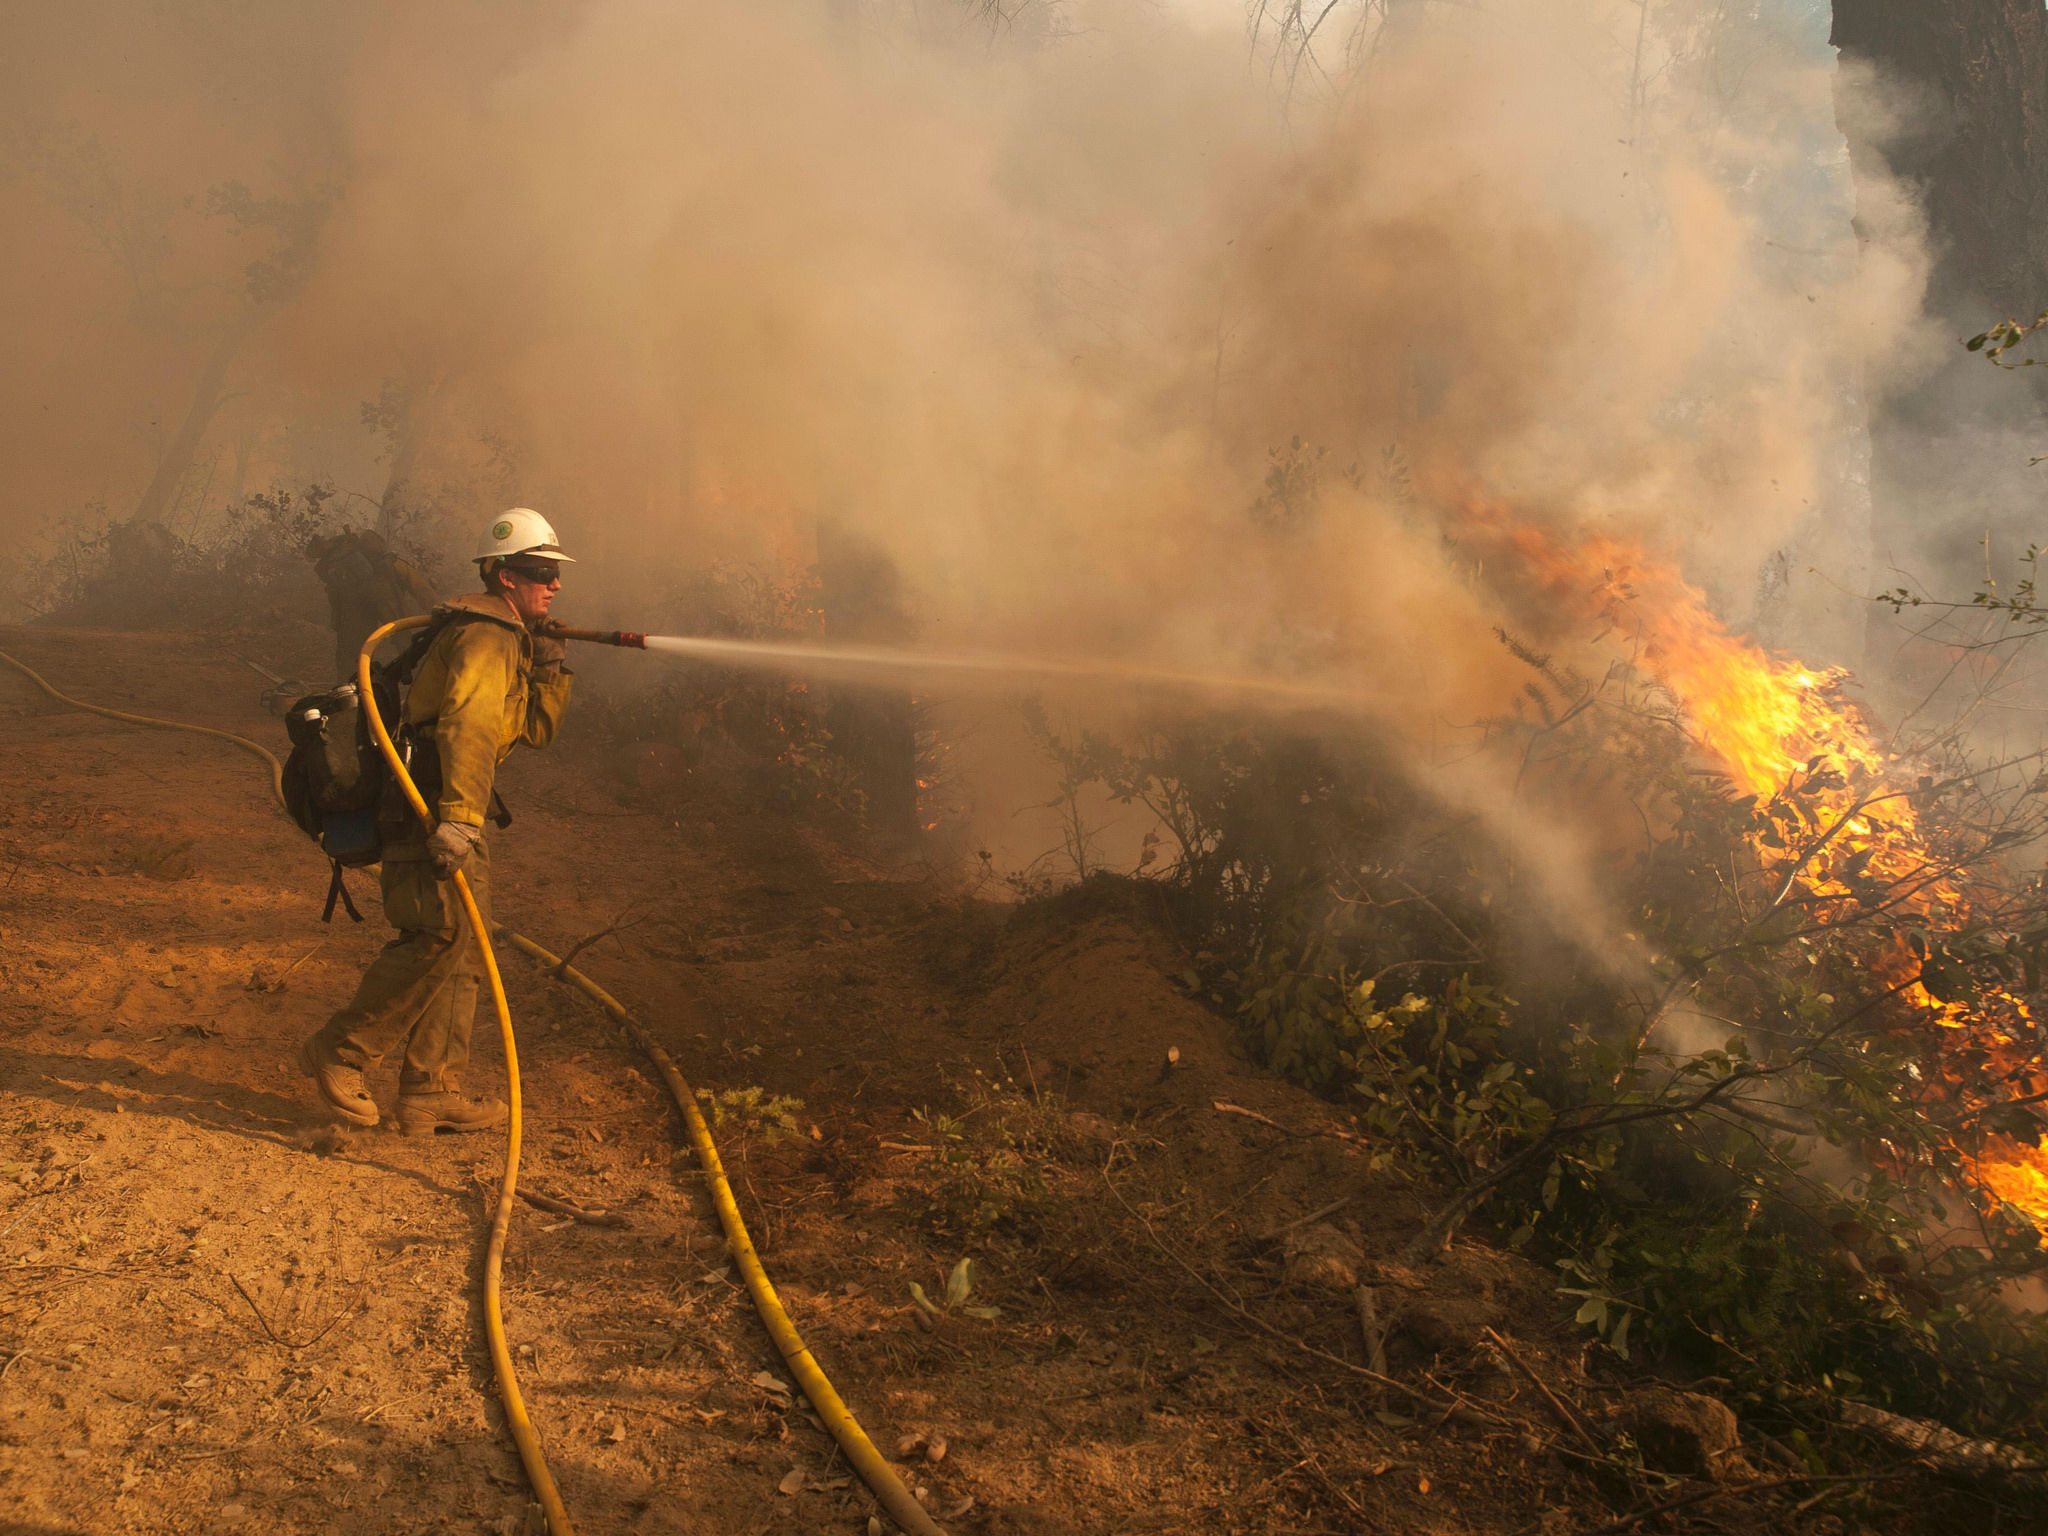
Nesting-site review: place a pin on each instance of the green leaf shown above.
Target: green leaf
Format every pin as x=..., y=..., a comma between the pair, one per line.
x=1805, y=1449
x=925, y=1302
x=960, y=1283
x=986, y=1314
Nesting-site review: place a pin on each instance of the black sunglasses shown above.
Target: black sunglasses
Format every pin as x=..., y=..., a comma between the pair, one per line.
x=539, y=575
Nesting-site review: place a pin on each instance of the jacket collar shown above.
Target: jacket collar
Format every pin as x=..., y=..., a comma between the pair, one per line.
x=484, y=605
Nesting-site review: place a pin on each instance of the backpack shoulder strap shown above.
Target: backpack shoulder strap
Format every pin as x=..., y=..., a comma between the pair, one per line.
x=399, y=670
x=458, y=610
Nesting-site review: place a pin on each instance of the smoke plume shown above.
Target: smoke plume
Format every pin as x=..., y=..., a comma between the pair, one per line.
x=1120, y=334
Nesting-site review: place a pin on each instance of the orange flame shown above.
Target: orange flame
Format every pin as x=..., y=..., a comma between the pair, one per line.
x=2016, y=1173
x=1771, y=722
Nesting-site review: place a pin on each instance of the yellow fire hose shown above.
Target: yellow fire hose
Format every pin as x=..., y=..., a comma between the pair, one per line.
x=860, y=1451
x=270, y=757
x=516, y=1419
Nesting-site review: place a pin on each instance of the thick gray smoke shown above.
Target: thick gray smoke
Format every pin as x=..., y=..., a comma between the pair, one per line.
x=1111, y=338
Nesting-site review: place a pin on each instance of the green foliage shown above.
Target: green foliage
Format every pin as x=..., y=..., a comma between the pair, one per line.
x=2004, y=337
x=985, y=1171
x=1435, y=1076
x=754, y=1110
x=958, y=1289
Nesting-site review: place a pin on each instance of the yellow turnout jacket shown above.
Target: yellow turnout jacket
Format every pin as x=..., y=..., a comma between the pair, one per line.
x=474, y=694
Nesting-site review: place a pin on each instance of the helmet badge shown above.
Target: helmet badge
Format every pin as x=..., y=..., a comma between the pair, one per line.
x=501, y=530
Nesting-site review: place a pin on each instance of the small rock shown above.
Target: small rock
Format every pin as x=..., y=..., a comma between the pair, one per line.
x=1091, y=1127
x=874, y=1192
x=617, y=1434
x=1685, y=1432
x=908, y=1445
x=230, y=1513
x=1323, y=1257
x=935, y=1449
x=874, y=1525
x=793, y=1481
x=1441, y=1325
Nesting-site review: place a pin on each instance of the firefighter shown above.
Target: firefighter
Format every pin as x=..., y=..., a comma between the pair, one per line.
x=367, y=585
x=485, y=683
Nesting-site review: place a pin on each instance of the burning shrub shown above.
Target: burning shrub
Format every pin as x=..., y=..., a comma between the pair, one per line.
x=1784, y=1129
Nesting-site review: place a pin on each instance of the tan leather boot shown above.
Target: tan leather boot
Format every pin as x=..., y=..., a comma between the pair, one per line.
x=422, y=1114
x=340, y=1085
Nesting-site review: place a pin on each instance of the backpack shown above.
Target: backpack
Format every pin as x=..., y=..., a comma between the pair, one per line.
x=335, y=779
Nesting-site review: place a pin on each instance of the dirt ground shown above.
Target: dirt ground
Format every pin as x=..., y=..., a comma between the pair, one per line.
x=215, y=1310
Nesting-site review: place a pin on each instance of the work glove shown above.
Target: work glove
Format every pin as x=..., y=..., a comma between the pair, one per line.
x=548, y=655
x=449, y=846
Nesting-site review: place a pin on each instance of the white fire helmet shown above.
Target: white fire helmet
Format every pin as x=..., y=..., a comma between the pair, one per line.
x=521, y=531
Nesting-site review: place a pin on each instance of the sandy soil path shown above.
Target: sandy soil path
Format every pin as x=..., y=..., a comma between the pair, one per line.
x=217, y=1312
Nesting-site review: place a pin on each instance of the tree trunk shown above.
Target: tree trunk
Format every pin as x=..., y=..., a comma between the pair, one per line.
x=406, y=441
x=1950, y=104
x=1972, y=79
x=183, y=448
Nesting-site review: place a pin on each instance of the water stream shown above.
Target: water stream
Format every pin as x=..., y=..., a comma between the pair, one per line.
x=906, y=668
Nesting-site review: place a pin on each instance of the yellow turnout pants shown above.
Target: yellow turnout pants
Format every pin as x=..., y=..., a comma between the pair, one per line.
x=422, y=988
